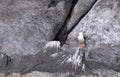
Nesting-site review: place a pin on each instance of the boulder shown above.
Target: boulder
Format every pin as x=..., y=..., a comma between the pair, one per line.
x=101, y=27
x=26, y=25
x=28, y=28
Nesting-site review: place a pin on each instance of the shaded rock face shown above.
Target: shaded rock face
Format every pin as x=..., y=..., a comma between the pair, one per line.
x=26, y=25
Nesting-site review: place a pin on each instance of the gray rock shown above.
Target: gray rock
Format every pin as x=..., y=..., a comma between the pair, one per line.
x=78, y=10
x=26, y=25
x=27, y=29
x=101, y=27
x=3, y=60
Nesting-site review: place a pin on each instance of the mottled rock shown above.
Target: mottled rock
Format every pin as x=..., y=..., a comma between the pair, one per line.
x=26, y=25
x=46, y=74
x=78, y=10
x=101, y=27
x=27, y=29
x=4, y=61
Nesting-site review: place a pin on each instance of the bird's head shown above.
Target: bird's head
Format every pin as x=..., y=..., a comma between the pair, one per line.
x=80, y=34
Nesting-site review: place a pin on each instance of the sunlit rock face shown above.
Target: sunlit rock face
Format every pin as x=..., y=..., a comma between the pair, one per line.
x=27, y=25
x=101, y=27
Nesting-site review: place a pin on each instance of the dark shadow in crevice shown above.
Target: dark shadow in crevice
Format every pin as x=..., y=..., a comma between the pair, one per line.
x=63, y=32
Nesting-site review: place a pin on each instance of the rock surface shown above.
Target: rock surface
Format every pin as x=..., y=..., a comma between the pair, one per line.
x=101, y=27
x=28, y=27
x=46, y=74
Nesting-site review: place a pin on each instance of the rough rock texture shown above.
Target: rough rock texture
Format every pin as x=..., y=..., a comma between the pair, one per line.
x=46, y=74
x=101, y=27
x=78, y=10
x=40, y=74
x=26, y=25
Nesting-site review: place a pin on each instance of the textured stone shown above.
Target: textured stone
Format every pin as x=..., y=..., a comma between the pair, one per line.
x=4, y=61
x=26, y=25
x=46, y=74
x=101, y=27
x=78, y=10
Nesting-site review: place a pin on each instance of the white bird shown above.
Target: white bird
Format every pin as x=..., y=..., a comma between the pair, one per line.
x=52, y=44
x=81, y=40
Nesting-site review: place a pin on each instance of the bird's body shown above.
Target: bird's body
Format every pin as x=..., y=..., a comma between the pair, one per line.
x=81, y=40
x=80, y=36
